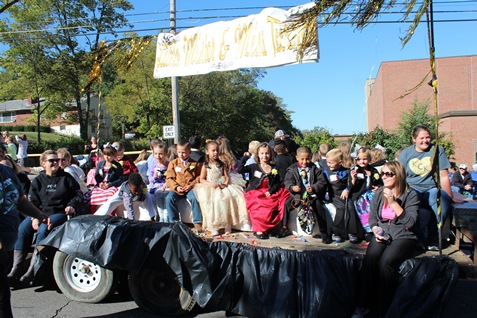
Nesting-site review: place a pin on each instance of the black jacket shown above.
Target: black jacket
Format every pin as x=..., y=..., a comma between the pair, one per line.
x=457, y=180
x=115, y=174
x=257, y=175
x=362, y=184
x=283, y=161
x=318, y=180
x=52, y=194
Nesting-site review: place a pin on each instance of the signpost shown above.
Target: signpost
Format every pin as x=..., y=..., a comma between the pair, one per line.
x=168, y=132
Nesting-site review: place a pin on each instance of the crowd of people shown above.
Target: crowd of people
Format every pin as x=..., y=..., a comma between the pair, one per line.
x=390, y=204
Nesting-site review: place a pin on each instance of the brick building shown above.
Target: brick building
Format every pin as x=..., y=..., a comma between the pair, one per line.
x=457, y=98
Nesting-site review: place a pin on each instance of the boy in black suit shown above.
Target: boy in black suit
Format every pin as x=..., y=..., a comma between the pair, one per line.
x=302, y=177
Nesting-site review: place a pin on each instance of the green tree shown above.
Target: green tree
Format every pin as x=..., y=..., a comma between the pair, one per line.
x=314, y=138
x=54, y=31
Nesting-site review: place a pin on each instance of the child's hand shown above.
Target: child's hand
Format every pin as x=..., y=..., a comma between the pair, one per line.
x=186, y=188
x=344, y=195
x=267, y=194
x=163, y=188
x=215, y=185
x=296, y=188
x=309, y=190
x=354, y=174
x=156, y=175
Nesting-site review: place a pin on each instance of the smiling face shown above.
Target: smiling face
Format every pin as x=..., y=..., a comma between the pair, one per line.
x=50, y=164
x=363, y=159
x=64, y=162
x=333, y=164
x=389, y=177
x=422, y=140
x=159, y=154
x=304, y=159
x=264, y=154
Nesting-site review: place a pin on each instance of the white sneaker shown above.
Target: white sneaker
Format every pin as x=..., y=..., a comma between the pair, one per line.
x=433, y=248
x=214, y=233
x=246, y=227
x=336, y=238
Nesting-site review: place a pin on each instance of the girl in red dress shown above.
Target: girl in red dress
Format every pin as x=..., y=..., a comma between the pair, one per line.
x=265, y=195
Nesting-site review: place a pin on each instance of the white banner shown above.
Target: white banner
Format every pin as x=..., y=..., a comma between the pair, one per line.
x=260, y=40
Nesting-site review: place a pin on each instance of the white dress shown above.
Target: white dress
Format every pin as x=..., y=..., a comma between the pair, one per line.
x=221, y=207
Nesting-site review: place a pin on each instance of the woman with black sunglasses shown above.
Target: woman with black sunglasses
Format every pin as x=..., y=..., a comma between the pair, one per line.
x=57, y=194
x=392, y=217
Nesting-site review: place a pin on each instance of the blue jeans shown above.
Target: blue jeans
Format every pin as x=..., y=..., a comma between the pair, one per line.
x=426, y=233
x=171, y=206
x=26, y=231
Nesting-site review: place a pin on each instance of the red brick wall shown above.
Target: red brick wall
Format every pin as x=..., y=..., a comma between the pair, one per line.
x=457, y=91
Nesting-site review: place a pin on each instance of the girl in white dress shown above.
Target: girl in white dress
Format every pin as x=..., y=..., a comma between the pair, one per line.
x=222, y=202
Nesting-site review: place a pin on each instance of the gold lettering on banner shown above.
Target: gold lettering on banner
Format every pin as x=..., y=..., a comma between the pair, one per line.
x=223, y=47
x=282, y=37
x=250, y=41
x=168, y=55
x=198, y=49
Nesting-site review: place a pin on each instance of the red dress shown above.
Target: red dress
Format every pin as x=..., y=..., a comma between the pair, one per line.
x=265, y=212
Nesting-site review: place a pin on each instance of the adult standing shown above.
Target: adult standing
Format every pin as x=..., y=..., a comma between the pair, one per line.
x=280, y=136
x=417, y=160
x=22, y=154
x=12, y=201
x=392, y=217
x=57, y=194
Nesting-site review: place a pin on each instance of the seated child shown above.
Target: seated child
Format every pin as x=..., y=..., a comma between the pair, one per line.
x=182, y=174
x=156, y=173
x=365, y=180
x=126, y=163
x=222, y=203
x=108, y=176
x=265, y=196
x=338, y=176
x=304, y=177
x=133, y=190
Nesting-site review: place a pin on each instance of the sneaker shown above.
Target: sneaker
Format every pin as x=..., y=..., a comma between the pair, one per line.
x=326, y=239
x=336, y=238
x=353, y=238
x=360, y=312
x=433, y=248
x=214, y=233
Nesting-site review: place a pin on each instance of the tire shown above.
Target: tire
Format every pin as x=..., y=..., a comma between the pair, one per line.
x=156, y=291
x=81, y=280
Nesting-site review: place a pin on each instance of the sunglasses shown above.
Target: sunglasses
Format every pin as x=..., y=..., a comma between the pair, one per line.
x=388, y=174
x=53, y=160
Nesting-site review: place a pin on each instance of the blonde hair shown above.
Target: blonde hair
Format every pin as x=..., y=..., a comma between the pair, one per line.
x=377, y=155
x=335, y=154
x=365, y=151
x=47, y=153
x=225, y=153
x=143, y=155
x=252, y=146
x=66, y=154
x=345, y=150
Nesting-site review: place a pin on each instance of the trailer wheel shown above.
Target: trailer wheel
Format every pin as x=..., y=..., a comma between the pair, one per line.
x=156, y=291
x=81, y=280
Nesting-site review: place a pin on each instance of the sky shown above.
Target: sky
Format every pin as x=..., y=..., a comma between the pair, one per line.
x=330, y=93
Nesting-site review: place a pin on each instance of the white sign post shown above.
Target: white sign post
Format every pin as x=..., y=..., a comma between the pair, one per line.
x=169, y=132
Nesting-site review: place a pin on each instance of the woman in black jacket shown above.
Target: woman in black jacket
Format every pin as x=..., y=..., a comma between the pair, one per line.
x=57, y=194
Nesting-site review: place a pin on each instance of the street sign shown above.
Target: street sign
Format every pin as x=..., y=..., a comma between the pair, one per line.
x=169, y=132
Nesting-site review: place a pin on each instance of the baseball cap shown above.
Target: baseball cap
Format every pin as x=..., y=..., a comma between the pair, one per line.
x=279, y=133
x=463, y=166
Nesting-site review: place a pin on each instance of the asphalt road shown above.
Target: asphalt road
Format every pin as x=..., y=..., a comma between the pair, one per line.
x=43, y=302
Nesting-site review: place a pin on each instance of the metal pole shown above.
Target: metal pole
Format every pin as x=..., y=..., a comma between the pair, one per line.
x=174, y=82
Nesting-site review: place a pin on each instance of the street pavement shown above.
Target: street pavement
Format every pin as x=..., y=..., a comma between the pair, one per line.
x=43, y=302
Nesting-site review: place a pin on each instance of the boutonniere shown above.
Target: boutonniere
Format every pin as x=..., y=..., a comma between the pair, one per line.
x=121, y=163
x=376, y=176
x=114, y=166
x=144, y=191
x=191, y=168
x=303, y=174
x=274, y=171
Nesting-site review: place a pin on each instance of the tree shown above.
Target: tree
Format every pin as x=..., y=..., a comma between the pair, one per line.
x=314, y=138
x=7, y=4
x=54, y=29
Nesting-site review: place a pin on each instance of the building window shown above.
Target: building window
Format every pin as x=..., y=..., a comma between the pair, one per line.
x=7, y=117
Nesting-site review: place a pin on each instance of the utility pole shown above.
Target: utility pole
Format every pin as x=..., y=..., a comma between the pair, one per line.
x=174, y=82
